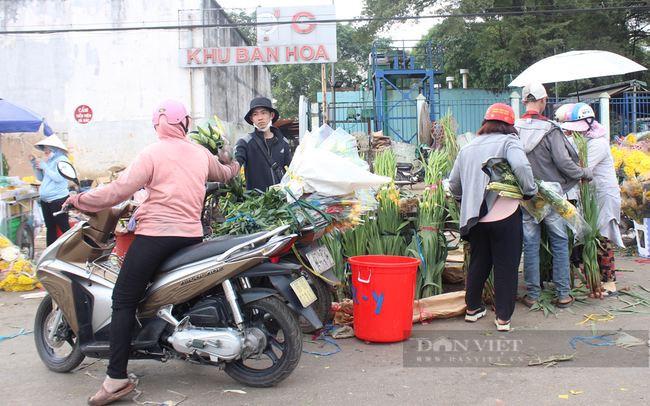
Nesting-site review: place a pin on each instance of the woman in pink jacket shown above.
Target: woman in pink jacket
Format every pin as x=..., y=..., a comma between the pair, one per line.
x=173, y=171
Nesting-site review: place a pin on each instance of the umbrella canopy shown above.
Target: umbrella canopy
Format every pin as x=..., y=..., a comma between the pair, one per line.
x=17, y=119
x=576, y=65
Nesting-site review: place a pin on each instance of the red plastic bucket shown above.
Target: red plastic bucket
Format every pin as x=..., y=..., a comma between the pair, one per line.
x=383, y=289
x=72, y=222
x=123, y=243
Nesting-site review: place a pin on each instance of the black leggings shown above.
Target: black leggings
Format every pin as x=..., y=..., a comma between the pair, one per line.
x=52, y=221
x=497, y=244
x=141, y=260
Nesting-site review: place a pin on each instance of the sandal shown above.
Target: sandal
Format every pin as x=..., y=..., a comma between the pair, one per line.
x=527, y=302
x=103, y=397
x=502, y=327
x=565, y=305
x=473, y=318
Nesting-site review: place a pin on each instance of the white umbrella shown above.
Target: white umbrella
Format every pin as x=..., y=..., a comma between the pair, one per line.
x=576, y=65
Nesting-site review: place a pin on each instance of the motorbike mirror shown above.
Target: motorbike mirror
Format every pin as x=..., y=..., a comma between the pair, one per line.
x=68, y=171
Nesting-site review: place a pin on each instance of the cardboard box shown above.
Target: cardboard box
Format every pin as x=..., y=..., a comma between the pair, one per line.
x=15, y=208
x=105, y=180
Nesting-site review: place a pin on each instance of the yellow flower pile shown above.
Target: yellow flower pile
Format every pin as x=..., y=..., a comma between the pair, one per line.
x=4, y=242
x=633, y=162
x=631, y=138
x=17, y=271
x=632, y=159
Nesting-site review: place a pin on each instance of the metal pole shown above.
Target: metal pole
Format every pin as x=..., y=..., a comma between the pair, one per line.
x=333, y=84
x=324, y=90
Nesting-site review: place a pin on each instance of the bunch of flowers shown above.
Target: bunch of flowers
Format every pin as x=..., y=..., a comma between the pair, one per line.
x=16, y=272
x=632, y=163
x=632, y=157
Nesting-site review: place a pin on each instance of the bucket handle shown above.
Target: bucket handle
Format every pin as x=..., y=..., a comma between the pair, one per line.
x=365, y=280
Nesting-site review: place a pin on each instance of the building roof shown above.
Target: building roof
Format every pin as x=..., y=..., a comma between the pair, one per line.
x=614, y=89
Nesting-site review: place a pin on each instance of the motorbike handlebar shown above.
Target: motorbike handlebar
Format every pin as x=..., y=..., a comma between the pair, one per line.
x=66, y=208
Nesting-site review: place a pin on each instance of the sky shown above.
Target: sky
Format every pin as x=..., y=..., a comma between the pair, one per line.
x=344, y=9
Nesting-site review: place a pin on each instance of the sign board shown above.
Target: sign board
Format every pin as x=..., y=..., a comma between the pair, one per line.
x=298, y=39
x=83, y=114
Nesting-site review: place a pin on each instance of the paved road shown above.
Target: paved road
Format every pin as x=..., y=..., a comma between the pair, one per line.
x=374, y=374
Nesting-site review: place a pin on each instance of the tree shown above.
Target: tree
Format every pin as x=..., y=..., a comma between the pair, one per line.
x=385, y=12
x=496, y=49
x=289, y=82
x=248, y=31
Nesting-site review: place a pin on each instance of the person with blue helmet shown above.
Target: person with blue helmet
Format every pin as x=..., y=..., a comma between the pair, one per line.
x=54, y=187
x=580, y=118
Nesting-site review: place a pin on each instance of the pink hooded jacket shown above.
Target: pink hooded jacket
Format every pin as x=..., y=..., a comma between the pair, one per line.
x=173, y=171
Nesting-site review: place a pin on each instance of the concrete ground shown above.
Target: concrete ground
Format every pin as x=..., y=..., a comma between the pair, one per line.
x=490, y=372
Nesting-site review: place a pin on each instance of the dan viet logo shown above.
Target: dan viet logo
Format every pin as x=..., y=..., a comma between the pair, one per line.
x=486, y=345
x=525, y=348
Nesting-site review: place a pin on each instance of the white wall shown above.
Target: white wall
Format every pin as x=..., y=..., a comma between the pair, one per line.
x=121, y=75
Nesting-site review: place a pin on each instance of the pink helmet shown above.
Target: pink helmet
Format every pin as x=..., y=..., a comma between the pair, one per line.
x=173, y=109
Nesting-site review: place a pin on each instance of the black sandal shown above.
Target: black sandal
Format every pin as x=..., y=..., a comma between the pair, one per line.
x=565, y=305
x=527, y=302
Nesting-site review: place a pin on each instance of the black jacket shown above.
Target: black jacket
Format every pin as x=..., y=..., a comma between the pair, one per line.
x=257, y=170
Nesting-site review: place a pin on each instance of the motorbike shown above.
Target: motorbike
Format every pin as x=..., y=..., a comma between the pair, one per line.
x=322, y=280
x=199, y=306
x=409, y=174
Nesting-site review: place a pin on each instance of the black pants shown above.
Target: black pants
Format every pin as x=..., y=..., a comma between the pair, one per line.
x=143, y=257
x=52, y=221
x=497, y=244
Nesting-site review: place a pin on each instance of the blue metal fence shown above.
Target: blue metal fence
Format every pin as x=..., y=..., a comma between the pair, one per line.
x=402, y=126
x=628, y=114
x=468, y=113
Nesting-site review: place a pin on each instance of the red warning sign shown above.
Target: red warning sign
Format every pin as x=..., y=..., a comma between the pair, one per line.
x=83, y=114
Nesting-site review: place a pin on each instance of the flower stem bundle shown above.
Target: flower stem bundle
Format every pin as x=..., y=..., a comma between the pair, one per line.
x=430, y=243
x=589, y=205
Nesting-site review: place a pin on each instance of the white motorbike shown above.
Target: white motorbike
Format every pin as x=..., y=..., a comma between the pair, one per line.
x=200, y=305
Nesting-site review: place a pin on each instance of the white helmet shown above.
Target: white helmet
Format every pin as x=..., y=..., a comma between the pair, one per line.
x=560, y=113
x=579, y=111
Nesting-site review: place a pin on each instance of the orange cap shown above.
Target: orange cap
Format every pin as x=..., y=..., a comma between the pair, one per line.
x=500, y=112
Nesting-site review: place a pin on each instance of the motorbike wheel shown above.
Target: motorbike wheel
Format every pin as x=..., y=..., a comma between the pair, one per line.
x=281, y=354
x=322, y=306
x=62, y=353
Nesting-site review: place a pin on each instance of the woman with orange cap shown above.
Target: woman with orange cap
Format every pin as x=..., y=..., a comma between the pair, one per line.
x=492, y=224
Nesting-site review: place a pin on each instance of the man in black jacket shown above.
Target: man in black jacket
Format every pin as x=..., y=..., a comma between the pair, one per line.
x=265, y=152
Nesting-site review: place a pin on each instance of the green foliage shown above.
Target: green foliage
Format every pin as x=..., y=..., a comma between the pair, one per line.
x=389, y=9
x=5, y=166
x=289, y=82
x=497, y=49
x=249, y=31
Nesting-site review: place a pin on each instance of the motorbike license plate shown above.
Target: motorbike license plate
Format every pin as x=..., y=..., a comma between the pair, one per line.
x=304, y=292
x=320, y=259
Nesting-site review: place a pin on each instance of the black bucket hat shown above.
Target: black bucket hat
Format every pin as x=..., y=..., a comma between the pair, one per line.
x=261, y=102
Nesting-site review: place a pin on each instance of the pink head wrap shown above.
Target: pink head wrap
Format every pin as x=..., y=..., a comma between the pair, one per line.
x=164, y=129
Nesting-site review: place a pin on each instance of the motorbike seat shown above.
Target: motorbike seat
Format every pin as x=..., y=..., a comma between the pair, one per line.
x=203, y=250
x=404, y=166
